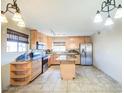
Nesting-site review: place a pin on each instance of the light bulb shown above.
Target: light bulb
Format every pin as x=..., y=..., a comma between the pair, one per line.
x=108, y=21
x=17, y=17
x=98, y=17
x=3, y=18
x=118, y=12
x=21, y=24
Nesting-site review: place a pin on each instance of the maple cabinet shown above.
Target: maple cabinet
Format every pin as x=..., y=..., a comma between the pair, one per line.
x=49, y=42
x=20, y=73
x=33, y=39
x=36, y=68
x=74, y=41
x=67, y=71
x=77, y=62
x=88, y=39
x=52, y=60
x=37, y=36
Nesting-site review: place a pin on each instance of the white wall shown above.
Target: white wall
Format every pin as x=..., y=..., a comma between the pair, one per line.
x=107, y=51
x=7, y=58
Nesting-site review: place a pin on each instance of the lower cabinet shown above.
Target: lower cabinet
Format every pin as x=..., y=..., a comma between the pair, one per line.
x=78, y=59
x=21, y=73
x=52, y=60
x=36, y=68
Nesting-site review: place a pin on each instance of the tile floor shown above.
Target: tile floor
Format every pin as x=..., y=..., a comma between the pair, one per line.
x=88, y=80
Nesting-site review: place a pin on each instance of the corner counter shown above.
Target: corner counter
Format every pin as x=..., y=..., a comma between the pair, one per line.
x=22, y=72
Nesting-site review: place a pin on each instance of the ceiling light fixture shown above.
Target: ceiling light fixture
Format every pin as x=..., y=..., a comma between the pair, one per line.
x=3, y=19
x=107, y=6
x=119, y=12
x=108, y=21
x=17, y=16
x=21, y=23
x=98, y=17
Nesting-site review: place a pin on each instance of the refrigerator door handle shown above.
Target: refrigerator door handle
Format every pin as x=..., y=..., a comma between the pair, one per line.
x=85, y=54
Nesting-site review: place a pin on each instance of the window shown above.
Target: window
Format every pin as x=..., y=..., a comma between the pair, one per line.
x=16, y=41
x=59, y=47
x=22, y=47
x=11, y=46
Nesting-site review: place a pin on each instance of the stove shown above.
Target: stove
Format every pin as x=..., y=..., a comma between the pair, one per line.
x=44, y=63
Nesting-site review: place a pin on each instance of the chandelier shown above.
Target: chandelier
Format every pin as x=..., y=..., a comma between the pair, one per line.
x=16, y=17
x=107, y=6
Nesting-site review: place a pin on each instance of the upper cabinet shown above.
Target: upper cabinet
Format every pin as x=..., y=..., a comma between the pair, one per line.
x=37, y=36
x=71, y=42
x=74, y=41
x=33, y=39
x=88, y=39
x=49, y=42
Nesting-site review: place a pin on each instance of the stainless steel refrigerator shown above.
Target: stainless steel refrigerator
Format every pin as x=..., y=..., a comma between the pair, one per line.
x=86, y=54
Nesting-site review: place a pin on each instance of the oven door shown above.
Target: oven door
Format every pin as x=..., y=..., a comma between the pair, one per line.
x=44, y=64
x=45, y=67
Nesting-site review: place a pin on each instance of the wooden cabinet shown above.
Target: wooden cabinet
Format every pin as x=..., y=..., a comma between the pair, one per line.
x=20, y=73
x=44, y=39
x=36, y=68
x=88, y=39
x=49, y=42
x=33, y=39
x=37, y=36
x=52, y=60
x=73, y=42
x=78, y=59
x=67, y=71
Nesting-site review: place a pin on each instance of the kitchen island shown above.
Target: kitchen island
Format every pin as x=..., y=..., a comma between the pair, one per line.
x=67, y=66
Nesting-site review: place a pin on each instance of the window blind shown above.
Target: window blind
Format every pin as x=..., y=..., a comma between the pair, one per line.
x=59, y=43
x=16, y=36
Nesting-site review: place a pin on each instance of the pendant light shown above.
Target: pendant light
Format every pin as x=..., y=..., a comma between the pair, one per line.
x=3, y=18
x=21, y=23
x=106, y=7
x=98, y=17
x=108, y=21
x=16, y=17
x=118, y=12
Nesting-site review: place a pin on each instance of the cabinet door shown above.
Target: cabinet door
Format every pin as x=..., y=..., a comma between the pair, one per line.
x=39, y=37
x=36, y=68
x=49, y=61
x=49, y=42
x=33, y=39
x=53, y=59
x=78, y=59
x=88, y=39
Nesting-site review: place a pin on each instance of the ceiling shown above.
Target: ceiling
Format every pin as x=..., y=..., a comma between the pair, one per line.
x=64, y=17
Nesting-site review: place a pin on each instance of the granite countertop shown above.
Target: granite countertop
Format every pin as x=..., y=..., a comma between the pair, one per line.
x=29, y=58
x=66, y=53
x=66, y=58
